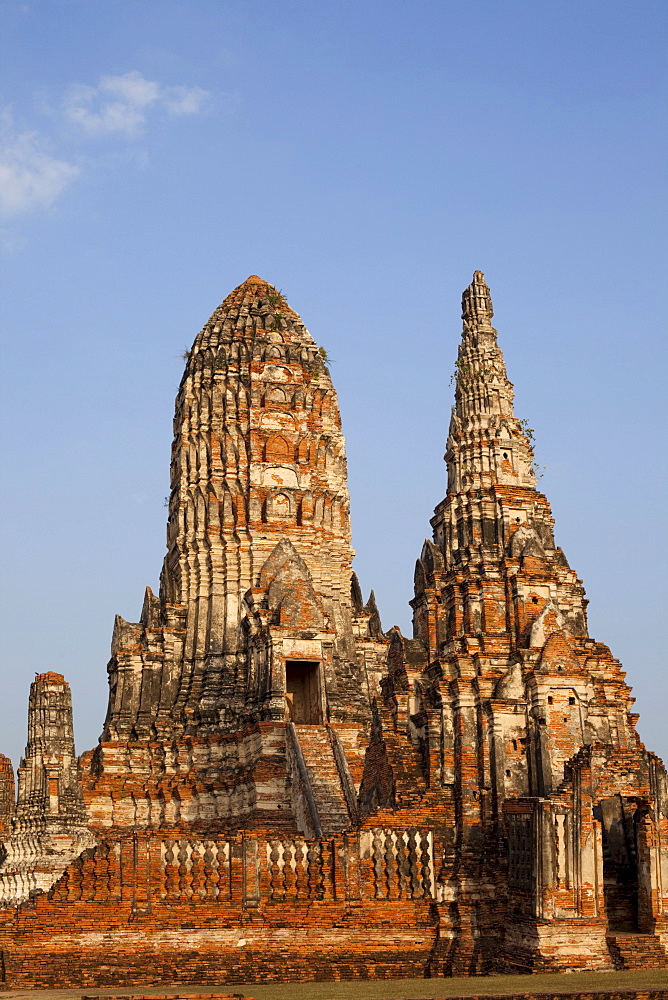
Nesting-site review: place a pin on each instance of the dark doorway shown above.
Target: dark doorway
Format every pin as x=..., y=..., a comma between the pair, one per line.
x=618, y=817
x=302, y=692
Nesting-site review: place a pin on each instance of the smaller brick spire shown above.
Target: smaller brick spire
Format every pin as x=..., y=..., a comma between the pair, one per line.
x=49, y=825
x=487, y=444
x=7, y=796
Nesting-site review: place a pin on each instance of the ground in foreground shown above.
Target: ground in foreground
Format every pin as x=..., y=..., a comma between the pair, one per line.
x=395, y=989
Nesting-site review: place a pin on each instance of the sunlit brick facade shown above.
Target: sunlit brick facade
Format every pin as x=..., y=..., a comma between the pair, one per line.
x=283, y=790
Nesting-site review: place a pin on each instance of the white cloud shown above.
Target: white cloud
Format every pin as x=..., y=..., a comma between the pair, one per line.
x=121, y=104
x=29, y=176
x=185, y=100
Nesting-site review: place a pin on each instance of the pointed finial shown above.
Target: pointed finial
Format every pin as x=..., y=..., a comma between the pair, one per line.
x=477, y=302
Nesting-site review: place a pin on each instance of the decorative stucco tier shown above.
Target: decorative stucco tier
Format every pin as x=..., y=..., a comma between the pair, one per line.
x=284, y=791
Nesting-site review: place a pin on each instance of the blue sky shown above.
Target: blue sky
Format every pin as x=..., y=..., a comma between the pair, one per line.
x=365, y=157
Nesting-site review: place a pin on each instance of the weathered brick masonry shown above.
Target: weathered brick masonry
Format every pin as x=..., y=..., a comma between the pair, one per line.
x=283, y=791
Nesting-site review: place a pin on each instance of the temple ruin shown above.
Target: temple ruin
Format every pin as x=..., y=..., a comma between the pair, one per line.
x=282, y=790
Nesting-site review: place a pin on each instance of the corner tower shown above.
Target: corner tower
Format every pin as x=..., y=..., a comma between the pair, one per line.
x=48, y=826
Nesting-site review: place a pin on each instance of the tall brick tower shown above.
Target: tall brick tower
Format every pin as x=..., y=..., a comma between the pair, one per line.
x=254, y=622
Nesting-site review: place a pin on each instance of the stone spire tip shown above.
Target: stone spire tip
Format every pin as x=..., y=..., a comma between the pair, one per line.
x=477, y=302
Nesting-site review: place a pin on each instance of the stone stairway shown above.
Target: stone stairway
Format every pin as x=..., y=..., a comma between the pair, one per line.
x=325, y=779
x=631, y=950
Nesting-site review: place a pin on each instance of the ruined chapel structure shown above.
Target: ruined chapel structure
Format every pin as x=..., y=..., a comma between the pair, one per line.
x=283, y=790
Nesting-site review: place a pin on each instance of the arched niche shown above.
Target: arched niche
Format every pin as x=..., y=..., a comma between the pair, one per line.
x=274, y=353
x=279, y=506
x=276, y=395
x=278, y=449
